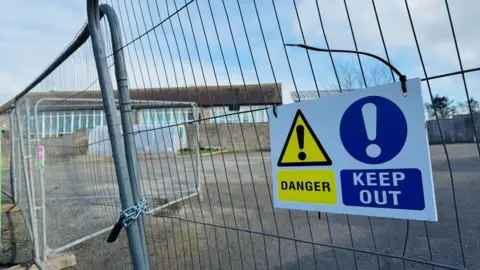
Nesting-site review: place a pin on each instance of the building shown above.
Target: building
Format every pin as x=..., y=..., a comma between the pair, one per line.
x=63, y=112
x=298, y=96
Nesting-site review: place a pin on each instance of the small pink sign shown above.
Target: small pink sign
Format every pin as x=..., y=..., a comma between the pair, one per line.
x=41, y=152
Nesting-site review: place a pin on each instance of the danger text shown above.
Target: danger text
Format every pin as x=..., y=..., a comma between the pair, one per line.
x=306, y=185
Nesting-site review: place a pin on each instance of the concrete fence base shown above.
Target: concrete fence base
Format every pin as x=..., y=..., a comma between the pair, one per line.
x=233, y=137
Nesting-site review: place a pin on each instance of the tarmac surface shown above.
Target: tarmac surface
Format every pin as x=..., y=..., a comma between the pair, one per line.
x=233, y=225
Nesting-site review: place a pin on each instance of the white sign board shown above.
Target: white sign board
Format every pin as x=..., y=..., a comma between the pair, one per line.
x=364, y=152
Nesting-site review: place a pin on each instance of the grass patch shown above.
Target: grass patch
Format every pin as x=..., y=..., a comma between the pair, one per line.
x=188, y=151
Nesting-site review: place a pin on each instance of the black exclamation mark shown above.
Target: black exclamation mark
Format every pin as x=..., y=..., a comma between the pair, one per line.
x=301, y=139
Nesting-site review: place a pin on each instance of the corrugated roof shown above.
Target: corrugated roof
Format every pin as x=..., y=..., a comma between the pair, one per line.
x=308, y=95
x=203, y=96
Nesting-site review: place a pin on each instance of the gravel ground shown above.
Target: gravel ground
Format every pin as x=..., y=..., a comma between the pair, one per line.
x=235, y=227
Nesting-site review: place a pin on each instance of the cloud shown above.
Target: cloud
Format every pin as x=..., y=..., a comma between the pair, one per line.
x=33, y=33
x=431, y=23
x=189, y=40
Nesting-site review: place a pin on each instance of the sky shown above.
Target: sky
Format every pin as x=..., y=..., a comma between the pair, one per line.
x=228, y=41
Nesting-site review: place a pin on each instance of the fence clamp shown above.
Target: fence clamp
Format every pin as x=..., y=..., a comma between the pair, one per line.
x=127, y=217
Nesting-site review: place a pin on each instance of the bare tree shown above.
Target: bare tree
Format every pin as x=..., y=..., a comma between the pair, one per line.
x=351, y=77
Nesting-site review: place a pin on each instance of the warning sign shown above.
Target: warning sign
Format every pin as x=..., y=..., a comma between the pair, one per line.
x=363, y=152
x=307, y=186
x=302, y=147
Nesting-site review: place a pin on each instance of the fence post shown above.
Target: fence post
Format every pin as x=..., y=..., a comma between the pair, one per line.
x=40, y=156
x=125, y=104
x=134, y=230
x=40, y=168
x=31, y=179
x=197, y=150
x=26, y=171
x=13, y=179
x=1, y=173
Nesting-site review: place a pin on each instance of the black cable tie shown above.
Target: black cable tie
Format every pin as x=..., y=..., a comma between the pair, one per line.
x=402, y=77
x=275, y=111
x=403, y=80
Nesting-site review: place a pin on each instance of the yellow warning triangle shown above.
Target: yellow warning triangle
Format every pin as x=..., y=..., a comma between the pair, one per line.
x=302, y=147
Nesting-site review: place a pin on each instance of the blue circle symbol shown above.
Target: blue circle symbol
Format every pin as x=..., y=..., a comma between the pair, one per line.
x=373, y=130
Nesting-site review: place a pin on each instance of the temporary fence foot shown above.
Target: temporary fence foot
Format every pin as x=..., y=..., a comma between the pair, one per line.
x=57, y=261
x=8, y=207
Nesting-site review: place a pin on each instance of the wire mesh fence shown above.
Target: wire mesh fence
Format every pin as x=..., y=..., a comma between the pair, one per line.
x=202, y=74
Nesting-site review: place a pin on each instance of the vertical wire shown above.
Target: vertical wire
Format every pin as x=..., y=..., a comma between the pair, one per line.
x=393, y=78
x=305, y=42
x=200, y=103
x=263, y=160
x=439, y=128
x=216, y=78
x=355, y=43
x=258, y=140
x=284, y=48
x=135, y=80
x=148, y=156
x=331, y=241
x=182, y=157
x=97, y=156
x=189, y=99
x=463, y=76
x=218, y=188
x=365, y=84
x=381, y=36
x=166, y=76
x=471, y=117
x=213, y=113
x=318, y=92
x=254, y=124
x=169, y=168
x=328, y=46
x=149, y=108
x=228, y=127
x=298, y=95
x=104, y=144
x=175, y=160
x=140, y=172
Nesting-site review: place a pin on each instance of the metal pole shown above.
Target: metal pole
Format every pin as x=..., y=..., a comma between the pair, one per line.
x=31, y=178
x=125, y=104
x=113, y=124
x=13, y=176
x=26, y=175
x=41, y=167
x=1, y=168
x=197, y=151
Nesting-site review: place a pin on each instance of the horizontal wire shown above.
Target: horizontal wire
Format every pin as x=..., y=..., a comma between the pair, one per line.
x=74, y=95
x=315, y=243
x=450, y=74
x=153, y=28
x=176, y=125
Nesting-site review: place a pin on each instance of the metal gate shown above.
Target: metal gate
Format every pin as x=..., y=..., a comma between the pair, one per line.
x=229, y=58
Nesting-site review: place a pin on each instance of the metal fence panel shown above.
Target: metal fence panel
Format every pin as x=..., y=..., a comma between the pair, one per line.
x=226, y=59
